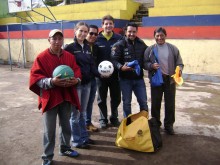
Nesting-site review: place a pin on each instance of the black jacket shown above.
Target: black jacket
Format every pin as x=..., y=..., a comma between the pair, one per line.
x=125, y=51
x=104, y=49
x=84, y=59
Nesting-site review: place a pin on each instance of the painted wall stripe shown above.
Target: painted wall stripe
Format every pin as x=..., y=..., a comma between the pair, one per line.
x=35, y=34
x=178, y=27
x=181, y=32
x=195, y=20
x=57, y=25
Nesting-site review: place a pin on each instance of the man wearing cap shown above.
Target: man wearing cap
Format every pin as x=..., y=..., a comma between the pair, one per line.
x=56, y=96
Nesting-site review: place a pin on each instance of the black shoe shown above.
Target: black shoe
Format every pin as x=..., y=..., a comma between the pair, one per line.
x=169, y=131
x=90, y=141
x=115, y=123
x=83, y=146
x=47, y=162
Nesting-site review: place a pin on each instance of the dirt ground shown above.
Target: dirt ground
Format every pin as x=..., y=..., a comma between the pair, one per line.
x=197, y=127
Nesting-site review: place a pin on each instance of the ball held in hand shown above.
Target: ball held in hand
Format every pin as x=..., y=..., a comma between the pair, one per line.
x=105, y=68
x=64, y=71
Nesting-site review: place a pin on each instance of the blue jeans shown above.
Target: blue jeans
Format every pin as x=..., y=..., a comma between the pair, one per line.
x=139, y=88
x=78, y=118
x=90, y=102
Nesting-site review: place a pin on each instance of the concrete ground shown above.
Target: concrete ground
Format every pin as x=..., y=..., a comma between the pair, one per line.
x=197, y=127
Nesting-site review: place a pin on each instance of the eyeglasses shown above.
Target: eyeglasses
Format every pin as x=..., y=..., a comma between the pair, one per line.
x=92, y=33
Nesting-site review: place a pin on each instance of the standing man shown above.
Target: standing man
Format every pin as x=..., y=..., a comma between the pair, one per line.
x=125, y=52
x=105, y=41
x=57, y=96
x=91, y=38
x=169, y=57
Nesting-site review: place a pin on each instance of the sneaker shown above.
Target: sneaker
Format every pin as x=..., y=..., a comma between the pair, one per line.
x=83, y=146
x=69, y=153
x=47, y=162
x=91, y=128
x=103, y=125
x=90, y=141
x=115, y=123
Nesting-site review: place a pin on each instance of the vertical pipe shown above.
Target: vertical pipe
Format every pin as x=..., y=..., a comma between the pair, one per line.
x=61, y=23
x=22, y=38
x=9, y=47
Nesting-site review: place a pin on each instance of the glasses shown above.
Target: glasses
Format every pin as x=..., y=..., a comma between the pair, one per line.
x=92, y=33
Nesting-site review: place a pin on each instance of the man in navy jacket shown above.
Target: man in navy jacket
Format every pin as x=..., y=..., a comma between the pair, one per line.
x=105, y=41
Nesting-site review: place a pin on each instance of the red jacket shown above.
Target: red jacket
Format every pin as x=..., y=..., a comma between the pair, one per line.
x=43, y=67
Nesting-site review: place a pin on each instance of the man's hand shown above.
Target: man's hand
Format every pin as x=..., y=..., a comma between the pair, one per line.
x=126, y=68
x=155, y=66
x=67, y=82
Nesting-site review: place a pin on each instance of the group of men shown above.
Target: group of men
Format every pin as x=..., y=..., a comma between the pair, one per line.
x=129, y=55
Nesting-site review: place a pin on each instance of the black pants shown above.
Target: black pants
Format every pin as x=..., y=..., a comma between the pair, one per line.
x=169, y=91
x=115, y=94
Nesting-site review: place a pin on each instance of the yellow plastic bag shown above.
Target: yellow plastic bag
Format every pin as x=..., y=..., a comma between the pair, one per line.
x=176, y=77
x=136, y=135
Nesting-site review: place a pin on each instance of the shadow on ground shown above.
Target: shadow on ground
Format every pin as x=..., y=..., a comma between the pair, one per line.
x=197, y=126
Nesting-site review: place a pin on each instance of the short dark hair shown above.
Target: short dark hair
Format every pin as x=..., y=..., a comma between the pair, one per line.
x=131, y=24
x=94, y=26
x=107, y=17
x=160, y=29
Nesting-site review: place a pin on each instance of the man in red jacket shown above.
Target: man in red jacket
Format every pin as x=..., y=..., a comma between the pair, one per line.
x=56, y=96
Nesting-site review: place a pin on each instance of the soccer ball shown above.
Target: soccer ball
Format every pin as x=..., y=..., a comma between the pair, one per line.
x=105, y=68
x=63, y=70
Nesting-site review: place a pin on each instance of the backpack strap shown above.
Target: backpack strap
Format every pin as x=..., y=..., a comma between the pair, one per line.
x=156, y=54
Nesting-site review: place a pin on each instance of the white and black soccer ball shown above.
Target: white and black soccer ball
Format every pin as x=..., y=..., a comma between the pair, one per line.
x=105, y=68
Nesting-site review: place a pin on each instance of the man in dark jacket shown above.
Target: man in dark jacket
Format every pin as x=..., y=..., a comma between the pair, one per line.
x=105, y=41
x=91, y=38
x=127, y=56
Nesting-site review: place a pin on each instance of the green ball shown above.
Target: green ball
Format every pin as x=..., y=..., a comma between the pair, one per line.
x=63, y=70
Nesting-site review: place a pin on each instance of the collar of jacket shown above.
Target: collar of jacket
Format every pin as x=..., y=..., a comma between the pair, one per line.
x=84, y=42
x=130, y=41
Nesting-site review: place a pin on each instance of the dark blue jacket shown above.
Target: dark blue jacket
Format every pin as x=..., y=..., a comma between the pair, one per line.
x=84, y=59
x=125, y=51
x=104, y=49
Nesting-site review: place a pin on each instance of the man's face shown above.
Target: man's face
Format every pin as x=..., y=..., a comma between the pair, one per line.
x=108, y=26
x=160, y=38
x=56, y=41
x=131, y=32
x=92, y=35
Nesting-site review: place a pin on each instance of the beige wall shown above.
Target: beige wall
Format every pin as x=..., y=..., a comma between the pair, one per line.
x=199, y=56
x=32, y=48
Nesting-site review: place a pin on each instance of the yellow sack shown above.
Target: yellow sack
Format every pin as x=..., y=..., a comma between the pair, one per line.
x=136, y=135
